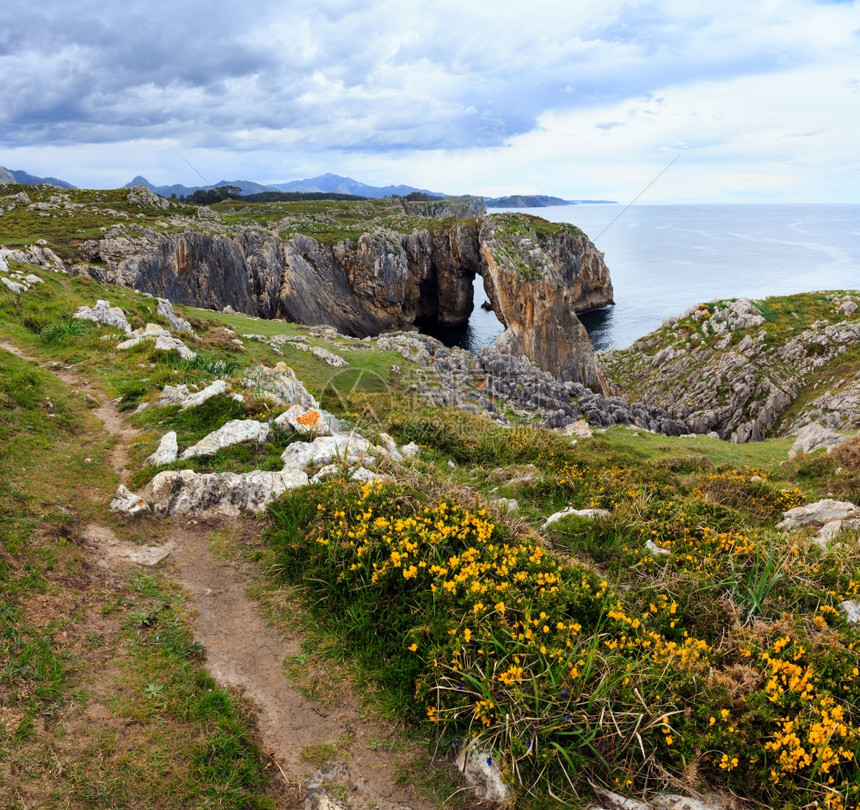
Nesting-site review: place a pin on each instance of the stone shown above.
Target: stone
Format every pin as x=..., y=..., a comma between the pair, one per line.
x=850, y=610
x=389, y=446
x=177, y=324
x=317, y=796
x=330, y=357
x=827, y=532
x=410, y=450
x=166, y=452
x=146, y=198
x=313, y=421
x=479, y=769
x=344, y=448
x=164, y=341
x=279, y=386
x=586, y=514
x=656, y=550
x=813, y=437
x=230, y=433
x=329, y=471
x=127, y=503
x=507, y=504
x=848, y=308
x=818, y=514
x=212, y=390
x=185, y=492
x=671, y=801
x=363, y=475
x=13, y=286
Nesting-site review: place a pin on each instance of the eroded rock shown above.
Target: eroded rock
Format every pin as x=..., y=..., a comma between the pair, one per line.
x=127, y=503
x=104, y=313
x=230, y=433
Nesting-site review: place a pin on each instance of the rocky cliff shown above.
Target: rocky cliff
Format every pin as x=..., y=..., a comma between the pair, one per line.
x=747, y=369
x=537, y=276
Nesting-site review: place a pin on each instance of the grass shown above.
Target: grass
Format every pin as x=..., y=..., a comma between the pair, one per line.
x=573, y=652
x=75, y=646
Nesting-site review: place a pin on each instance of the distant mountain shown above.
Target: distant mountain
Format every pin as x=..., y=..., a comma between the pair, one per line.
x=535, y=201
x=325, y=183
x=334, y=183
x=18, y=176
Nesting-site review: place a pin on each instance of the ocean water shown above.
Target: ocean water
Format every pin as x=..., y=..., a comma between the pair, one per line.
x=666, y=258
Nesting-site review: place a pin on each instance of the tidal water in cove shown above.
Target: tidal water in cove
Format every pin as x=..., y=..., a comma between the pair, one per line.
x=666, y=258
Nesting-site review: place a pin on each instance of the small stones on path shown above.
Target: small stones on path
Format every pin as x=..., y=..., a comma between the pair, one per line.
x=127, y=503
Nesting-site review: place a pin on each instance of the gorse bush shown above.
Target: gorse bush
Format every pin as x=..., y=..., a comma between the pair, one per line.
x=565, y=680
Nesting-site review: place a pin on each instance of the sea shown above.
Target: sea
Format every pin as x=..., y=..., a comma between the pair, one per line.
x=666, y=258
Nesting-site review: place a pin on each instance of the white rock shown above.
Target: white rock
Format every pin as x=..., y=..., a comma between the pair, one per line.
x=410, y=450
x=167, y=343
x=588, y=514
x=177, y=324
x=279, y=386
x=827, y=532
x=508, y=504
x=127, y=503
x=389, y=447
x=329, y=471
x=479, y=769
x=363, y=475
x=166, y=452
x=818, y=513
x=848, y=307
x=345, y=448
x=164, y=341
x=104, y=313
x=33, y=279
x=185, y=492
x=330, y=357
x=211, y=390
x=813, y=437
x=655, y=549
x=305, y=421
x=581, y=429
x=616, y=802
x=850, y=610
x=230, y=433
x=14, y=286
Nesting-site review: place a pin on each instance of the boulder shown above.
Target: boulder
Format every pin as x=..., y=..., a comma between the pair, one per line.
x=279, y=386
x=586, y=514
x=177, y=324
x=104, y=313
x=230, y=433
x=185, y=492
x=166, y=452
x=813, y=437
x=479, y=769
x=127, y=503
x=306, y=421
x=164, y=341
x=344, y=448
x=818, y=514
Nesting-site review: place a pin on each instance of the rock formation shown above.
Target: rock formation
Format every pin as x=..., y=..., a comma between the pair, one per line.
x=536, y=275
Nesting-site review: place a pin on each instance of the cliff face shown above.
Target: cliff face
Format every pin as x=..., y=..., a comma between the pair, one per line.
x=536, y=282
x=383, y=280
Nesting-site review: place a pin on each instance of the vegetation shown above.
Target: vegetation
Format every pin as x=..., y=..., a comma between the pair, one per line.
x=574, y=654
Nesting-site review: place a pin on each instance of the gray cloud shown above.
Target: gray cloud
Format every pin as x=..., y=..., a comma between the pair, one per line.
x=337, y=75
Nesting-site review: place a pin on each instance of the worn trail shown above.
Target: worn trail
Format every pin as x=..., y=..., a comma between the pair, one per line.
x=242, y=650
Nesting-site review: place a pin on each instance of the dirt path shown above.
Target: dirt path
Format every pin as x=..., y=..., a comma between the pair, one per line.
x=242, y=650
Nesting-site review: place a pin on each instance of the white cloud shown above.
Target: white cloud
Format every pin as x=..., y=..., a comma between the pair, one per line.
x=584, y=99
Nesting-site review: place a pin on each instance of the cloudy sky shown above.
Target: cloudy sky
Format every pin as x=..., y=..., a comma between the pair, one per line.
x=578, y=98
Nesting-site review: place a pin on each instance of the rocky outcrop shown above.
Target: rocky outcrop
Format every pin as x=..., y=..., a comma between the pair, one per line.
x=718, y=367
x=536, y=283
x=382, y=281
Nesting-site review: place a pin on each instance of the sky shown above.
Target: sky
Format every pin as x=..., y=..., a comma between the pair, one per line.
x=758, y=101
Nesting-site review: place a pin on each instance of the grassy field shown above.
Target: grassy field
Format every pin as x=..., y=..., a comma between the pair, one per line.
x=571, y=653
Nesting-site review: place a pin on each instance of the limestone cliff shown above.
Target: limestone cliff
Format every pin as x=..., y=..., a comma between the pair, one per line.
x=536, y=282
x=383, y=280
